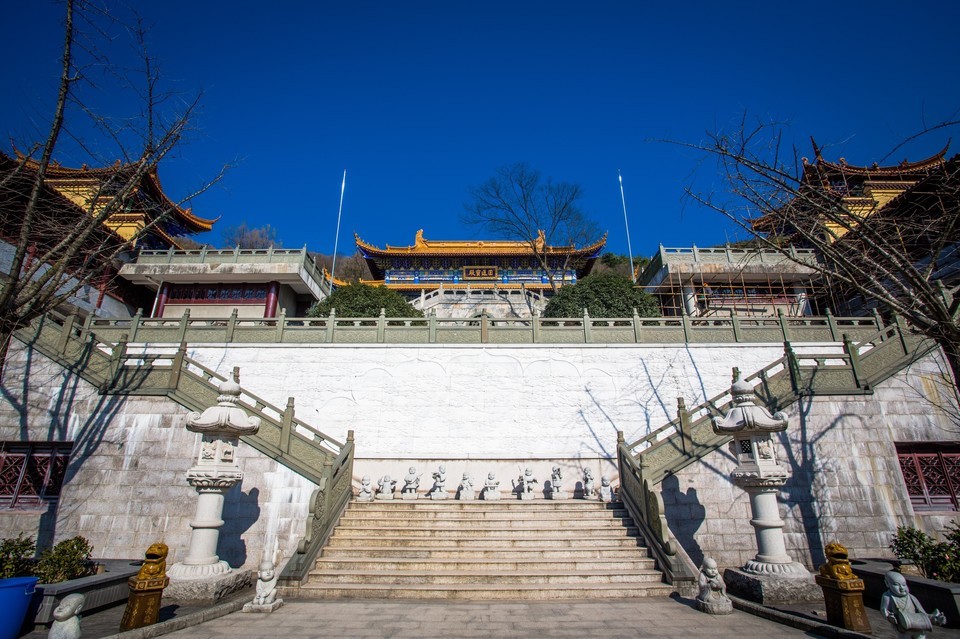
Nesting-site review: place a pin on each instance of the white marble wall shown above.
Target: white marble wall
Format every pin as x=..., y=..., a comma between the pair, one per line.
x=487, y=401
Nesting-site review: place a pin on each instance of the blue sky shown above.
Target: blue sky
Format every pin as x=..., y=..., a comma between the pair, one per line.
x=419, y=101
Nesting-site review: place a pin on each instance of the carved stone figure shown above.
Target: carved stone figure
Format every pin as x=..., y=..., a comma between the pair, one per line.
x=712, y=597
x=903, y=610
x=411, y=482
x=467, y=493
x=66, y=617
x=491, y=488
x=556, y=482
x=527, y=481
x=589, y=485
x=366, y=490
x=606, y=490
x=439, y=490
x=146, y=589
x=266, y=598
x=385, y=487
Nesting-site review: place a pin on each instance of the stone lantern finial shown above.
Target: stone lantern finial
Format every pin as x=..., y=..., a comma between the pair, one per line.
x=760, y=473
x=216, y=471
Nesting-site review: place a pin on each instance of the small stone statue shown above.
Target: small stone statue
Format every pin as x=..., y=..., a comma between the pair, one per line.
x=589, y=486
x=385, y=487
x=439, y=490
x=712, y=598
x=606, y=490
x=366, y=490
x=266, y=584
x=411, y=482
x=266, y=598
x=491, y=488
x=66, y=617
x=527, y=480
x=467, y=493
x=903, y=610
x=556, y=480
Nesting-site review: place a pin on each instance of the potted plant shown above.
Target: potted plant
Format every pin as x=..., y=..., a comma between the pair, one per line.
x=16, y=585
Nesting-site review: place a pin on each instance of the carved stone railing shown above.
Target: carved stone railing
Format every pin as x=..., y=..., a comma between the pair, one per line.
x=483, y=330
x=122, y=370
x=326, y=505
x=646, y=508
x=674, y=446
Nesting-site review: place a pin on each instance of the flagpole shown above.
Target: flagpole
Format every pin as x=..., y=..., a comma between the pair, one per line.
x=633, y=276
x=336, y=240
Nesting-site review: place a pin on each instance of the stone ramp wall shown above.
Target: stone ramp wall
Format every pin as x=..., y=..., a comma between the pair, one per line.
x=845, y=482
x=126, y=481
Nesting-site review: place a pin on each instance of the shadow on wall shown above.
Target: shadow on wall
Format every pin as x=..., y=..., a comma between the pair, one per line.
x=240, y=512
x=685, y=514
x=49, y=420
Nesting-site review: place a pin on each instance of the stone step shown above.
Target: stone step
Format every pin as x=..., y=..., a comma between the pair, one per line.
x=359, y=563
x=457, y=577
x=466, y=507
x=412, y=552
x=512, y=592
x=488, y=520
x=339, y=540
x=503, y=504
x=531, y=532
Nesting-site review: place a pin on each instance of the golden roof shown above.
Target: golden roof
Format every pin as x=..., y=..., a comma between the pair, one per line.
x=150, y=184
x=461, y=286
x=423, y=246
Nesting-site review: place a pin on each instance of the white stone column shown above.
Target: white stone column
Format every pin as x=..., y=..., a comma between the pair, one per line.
x=215, y=473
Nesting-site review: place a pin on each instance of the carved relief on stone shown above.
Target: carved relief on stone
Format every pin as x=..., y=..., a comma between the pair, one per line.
x=208, y=451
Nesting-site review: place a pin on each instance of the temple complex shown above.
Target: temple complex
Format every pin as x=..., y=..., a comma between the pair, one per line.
x=466, y=278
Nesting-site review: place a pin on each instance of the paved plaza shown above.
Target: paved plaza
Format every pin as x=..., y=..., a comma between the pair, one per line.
x=654, y=618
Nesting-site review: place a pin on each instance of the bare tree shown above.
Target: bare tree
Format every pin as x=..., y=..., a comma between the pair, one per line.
x=350, y=268
x=62, y=243
x=902, y=257
x=250, y=237
x=518, y=204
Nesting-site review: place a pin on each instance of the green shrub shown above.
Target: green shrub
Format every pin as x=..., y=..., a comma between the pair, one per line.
x=936, y=560
x=16, y=556
x=67, y=560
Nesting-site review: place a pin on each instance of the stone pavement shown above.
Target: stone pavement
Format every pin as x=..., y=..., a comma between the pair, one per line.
x=653, y=618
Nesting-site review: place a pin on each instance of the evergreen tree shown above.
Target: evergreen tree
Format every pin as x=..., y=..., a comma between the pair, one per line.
x=362, y=300
x=603, y=295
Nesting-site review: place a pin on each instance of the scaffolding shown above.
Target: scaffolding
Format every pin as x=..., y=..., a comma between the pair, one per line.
x=720, y=282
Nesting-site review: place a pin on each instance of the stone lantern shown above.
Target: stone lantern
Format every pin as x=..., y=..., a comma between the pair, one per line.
x=772, y=576
x=202, y=574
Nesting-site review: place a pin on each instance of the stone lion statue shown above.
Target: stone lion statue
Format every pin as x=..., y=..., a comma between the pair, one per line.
x=838, y=563
x=155, y=562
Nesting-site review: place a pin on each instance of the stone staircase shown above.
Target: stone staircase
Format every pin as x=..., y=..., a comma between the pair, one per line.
x=565, y=549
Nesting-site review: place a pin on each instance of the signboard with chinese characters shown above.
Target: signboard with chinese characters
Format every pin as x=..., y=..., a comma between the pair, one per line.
x=479, y=272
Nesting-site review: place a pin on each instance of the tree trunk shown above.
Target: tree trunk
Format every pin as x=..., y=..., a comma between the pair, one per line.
x=5, y=338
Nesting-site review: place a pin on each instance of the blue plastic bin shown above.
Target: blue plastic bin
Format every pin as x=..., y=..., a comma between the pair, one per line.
x=15, y=596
